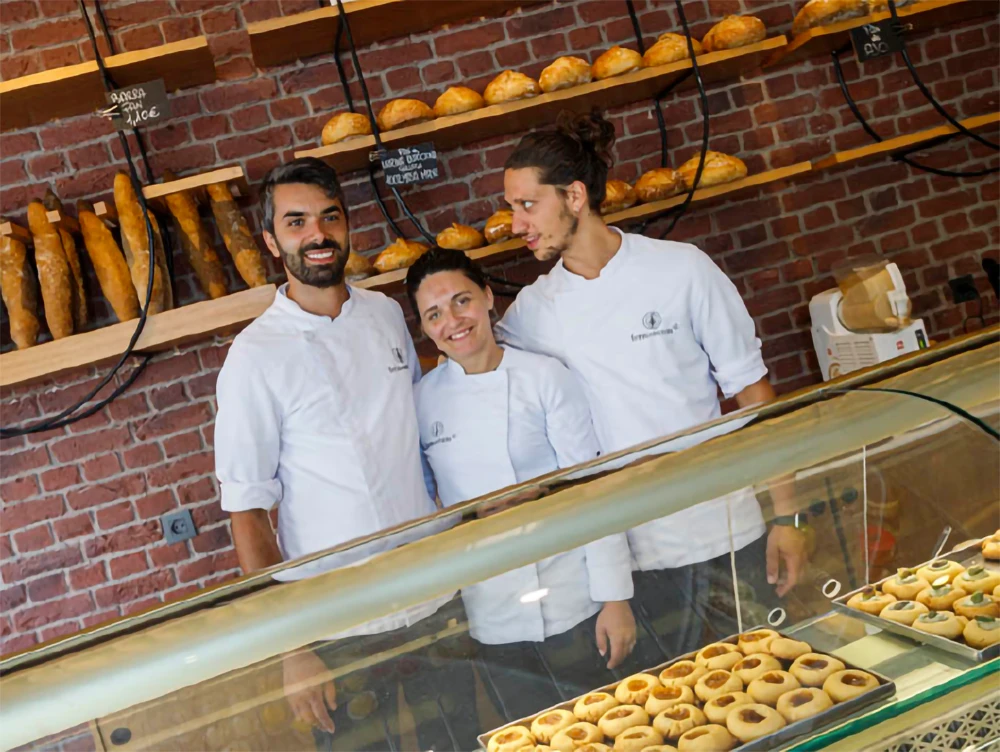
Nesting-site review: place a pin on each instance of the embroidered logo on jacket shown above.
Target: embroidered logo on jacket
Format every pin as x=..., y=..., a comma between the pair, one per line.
x=651, y=322
x=397, y=355
x=437, y=429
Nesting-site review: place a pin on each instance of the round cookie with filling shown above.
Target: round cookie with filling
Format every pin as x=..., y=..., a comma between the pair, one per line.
x=813, y=669
x=716, y=683
x=767, y=688
x=718, y=709
x=905, y=585
x=754, y=665
x=718, y=655
x=674, y=721
x=637, y=739
x=982, y=632
x=575, y=736
x=708, y=738
x=548, y=724
x=662, y=698
x=940, y=568
x=941, y=623
x=756, y=641
x=977, y=579
x=847, y=684
x=803, y=703
x=635, y=689
x=941, y=595
x=592, y=706
x=787, y=649
x=749, y=722
x=682, y=674
x=977, y=604
x=870, y=600
x=621, y=719
x=903, y=612
x=510, y=739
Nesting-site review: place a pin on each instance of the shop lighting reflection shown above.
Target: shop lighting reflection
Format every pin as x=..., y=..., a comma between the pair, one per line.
x=534, y=595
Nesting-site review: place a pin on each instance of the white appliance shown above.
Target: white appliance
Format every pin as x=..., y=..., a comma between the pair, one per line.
x=841, y=350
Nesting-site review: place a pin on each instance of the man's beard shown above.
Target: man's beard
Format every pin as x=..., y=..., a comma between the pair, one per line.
x=559, y=247
x=324, y=275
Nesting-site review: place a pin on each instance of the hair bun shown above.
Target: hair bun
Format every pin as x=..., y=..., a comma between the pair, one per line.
x=592, y=131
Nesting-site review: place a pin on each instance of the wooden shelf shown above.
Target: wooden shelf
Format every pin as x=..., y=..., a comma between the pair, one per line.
x=282, y=40
x=891, y=145
x=922, y=16
x=78, y=89
x=511, y=117
x=163, y=331
x=232, y=175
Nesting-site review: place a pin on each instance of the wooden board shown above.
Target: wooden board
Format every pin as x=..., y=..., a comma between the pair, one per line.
x=303, y=35
x=921, y=16
x=902, y=142
x=232, y=175
x=163, y=331
x=512, y=117
x=78, y=89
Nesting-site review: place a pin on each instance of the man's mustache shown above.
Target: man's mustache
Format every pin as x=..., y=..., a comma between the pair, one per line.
x=328, y=244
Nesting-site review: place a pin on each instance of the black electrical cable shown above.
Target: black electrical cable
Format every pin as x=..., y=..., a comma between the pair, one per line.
x=656, y=100
x=926, y=92
x=66, y=417
x=838, y=71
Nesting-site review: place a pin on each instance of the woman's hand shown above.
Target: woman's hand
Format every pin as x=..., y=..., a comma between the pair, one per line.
x=310, y=698
x=616, y=627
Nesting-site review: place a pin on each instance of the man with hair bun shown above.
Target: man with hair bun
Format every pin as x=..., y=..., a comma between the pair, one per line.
x=654, y=330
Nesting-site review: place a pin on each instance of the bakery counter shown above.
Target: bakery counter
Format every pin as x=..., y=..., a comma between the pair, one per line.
x=494, y=622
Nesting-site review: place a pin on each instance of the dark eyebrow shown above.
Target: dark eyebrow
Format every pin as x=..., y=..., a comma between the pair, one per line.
x=328, y=210
x=332, y=208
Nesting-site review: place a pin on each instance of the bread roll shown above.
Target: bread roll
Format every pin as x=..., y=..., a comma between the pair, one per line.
x=618, y=195
x=400, y=113
x=670, y=48
x=658, y=184
x=510, y=86
x=54, y=276
x=825, y=12
x=109, y=263
x=236, y=235
x=460, y=238
x=616, y=62
x=197, y=244
x=500, y=226
x=719, y=168
x=401, y=254
x=80, y=317
x=456, y=100
x=345, y=125
x=19, y=289
x=135, y=244
x=564, y=73
x=358, y=267
x=734, y=31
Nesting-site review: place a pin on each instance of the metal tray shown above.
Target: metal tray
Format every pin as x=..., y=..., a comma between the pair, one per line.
x=967, y=557
x=836, y=714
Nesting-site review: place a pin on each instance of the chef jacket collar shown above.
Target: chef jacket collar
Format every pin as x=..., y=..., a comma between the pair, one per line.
x=289, y=307
x=456, y=371
x=575, y=281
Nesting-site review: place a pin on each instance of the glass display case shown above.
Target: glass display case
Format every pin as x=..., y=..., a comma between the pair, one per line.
x=490, y=613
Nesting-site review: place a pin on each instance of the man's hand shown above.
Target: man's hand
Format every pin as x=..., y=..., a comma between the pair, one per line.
x=786, y=557
x=616, y=625
x=308, y=697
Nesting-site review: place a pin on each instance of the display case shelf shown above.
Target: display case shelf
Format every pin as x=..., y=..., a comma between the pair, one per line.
x=78, y=89
x=282, y=40
x=512, y=117
x=921, y=16
x=892, y=145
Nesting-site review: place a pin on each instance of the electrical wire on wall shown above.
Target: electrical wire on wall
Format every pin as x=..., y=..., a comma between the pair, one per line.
x=657, y=109
x=71, y=414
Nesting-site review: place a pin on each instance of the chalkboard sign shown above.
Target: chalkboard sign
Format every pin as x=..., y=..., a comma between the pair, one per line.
x=142, y=104
x=409, y=165
x=877, y=39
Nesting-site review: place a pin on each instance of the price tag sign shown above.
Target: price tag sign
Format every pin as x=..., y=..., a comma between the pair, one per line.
x=142, y=104
x=410, y=165
x=875, y=40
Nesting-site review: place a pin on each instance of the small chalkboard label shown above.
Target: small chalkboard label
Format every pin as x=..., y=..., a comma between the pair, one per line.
x=142, y=104
x=409, y=165
x=876, y=39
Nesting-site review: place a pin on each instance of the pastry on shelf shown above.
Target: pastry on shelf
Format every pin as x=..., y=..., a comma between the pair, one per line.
x=941, y=595
x=802, y=703
x=401, y=254
x=825, y=12
x=510, y=86
x=460, y=238
x=620, y=719
x=510, y=739
x=982, y=632
x=717, y=709
x=767, y=688
x=734, y=31
x=977, y=604
x=708, y=738
x=344, y=126
x=635, y=689
x=905, y=585
x=977, y=579
x=812, y=669
x=564, y=73
x=847, y=684
x=656, y=185
x=618, y=195
x=903, y=612
x=719, y=168
x=991, y=547
x=399, y=113
x=550, y=723
x=674, y=721
x=616, y=62
x=940, y=623
x=458, y=99
x=787, y=649
x=749, y=722
x=870, y=600
x=499, y=227
x=661, y=698
x=592, y=706
x=670, y=48
x=575, y=736
x=358, y=267
x=637, y=739
x=940, y=568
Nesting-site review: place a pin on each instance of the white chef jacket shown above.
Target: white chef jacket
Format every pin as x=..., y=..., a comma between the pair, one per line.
x=483, y=432
x=652, y=339
x=317, y=415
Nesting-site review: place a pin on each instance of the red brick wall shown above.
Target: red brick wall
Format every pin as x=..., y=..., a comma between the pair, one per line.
x=81, y=541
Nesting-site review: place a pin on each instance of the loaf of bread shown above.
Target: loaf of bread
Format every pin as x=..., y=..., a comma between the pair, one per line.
x=670, y=48
x=719, y=168
x=400, y=113
x=197, y=244
x=52, y=203
x=54, y=276
x=401, y=254
x=135, y=244
x=616, y=62
x=460, y=238
x=825, y=12
x=456, y=100
x=345, y=125
x=510, y=86
x=19, y=290
x=734, y=31
x=109, y=263
x=659, y=184
x=565, y=72
x=236, y=235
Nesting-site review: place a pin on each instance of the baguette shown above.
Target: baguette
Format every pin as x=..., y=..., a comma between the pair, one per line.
x=52, y=203
x=197, y=244
x=236, y=235
x=135, y=244
x=54, y=276
x=109, y=263
x=19, y=289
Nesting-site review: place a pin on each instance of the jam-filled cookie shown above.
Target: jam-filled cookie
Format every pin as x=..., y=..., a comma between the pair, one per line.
x=682, y=674
x=754, y=665
x=767, y=688
x=592, y=706
x=573, y=737
x=662, y=698
x=787, y=649
x=718, y=655
x=635, y=689
x=510, y=739
x=803, y=703
x=756, y=641
x=547, y=725
x=674, y=721
x=844, y=685
x=749, y=722
x=716, y=683
x=622, y=718
x=718, y=709
x=709, y=738
x=637, y=739
x=813, y=669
